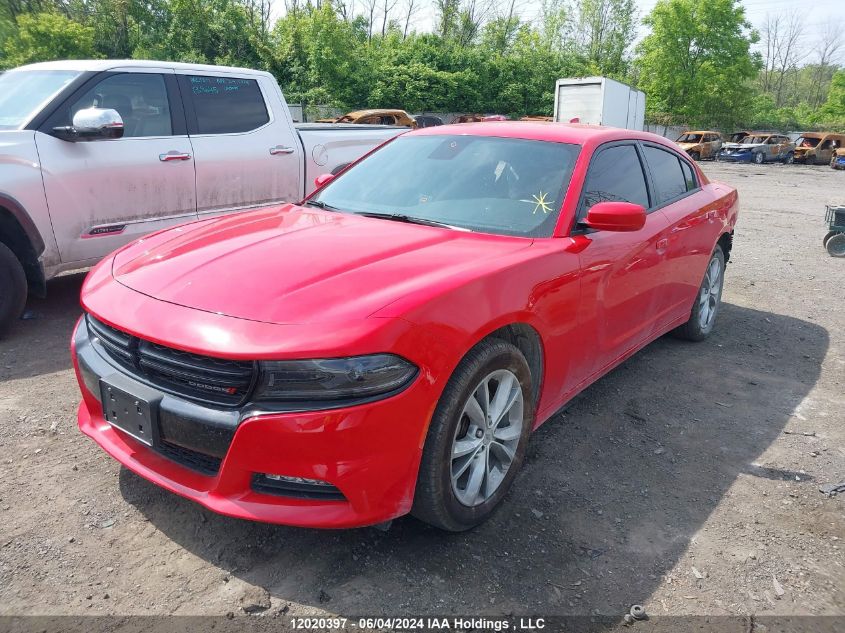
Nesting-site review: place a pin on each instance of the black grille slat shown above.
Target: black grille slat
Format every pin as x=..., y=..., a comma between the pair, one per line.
x=205, y=379
x=202, y=463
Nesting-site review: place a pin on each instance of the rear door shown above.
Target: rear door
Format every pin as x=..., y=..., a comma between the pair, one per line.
x=246, y=150
x=691, y=226
x=104, y=193
x=621, y=272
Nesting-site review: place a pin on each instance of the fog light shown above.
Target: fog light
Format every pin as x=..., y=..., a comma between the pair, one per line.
x=296, y=487
x=297, y=480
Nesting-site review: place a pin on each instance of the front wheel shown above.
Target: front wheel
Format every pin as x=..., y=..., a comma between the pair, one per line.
x=477, y=438
x=828, y=236
x=695, y=155
x=759, y=158
x=707, y=302
x=836, y=245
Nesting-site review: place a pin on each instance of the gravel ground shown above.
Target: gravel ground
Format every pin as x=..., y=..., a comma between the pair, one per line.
x=687, y=480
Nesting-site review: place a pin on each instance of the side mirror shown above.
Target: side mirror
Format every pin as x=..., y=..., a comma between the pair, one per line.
x=616, y=216
x=92, y=124
x=322, y=179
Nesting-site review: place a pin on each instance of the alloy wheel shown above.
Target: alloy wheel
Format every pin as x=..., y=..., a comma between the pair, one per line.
x=487, y=437
x=710, y=293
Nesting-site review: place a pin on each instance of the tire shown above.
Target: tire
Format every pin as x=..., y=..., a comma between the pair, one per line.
x=448, y=502
x=836, y=245
x=828, y=236
x=13, y=288
x=700, y=327
x=695, y=155
x=789, y=159
x=759, y=158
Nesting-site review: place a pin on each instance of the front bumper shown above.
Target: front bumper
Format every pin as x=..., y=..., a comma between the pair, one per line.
x=369, y=452
x=744, y=157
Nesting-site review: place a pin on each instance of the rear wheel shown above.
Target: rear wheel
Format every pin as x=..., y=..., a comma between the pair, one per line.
x=836, y=245
x=477, y=439
x=759, y=158
x=789, y=159
x=828, y=236
x=706, y=306
x=12, y=288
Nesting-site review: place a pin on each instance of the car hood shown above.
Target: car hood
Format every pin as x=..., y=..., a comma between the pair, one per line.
x=291, y=264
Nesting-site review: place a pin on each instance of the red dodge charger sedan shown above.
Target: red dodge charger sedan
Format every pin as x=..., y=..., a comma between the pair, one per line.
x=388, y=345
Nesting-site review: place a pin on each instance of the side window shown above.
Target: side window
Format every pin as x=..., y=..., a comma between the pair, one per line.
x=689, y=175
x=139, y=98
x=226, y=105
x=615, y=174
x=667, y=174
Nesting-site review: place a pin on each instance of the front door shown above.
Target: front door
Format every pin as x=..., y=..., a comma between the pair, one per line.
x=246, y=149
x=104, y=193
x=622, y=274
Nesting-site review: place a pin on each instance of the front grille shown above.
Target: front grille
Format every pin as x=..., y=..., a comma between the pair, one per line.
x=202, y=463
x=201, y=378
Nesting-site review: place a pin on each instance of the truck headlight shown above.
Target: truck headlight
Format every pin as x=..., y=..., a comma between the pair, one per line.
x=351, y=378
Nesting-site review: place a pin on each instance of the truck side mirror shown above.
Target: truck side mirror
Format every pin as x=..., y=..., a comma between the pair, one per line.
x=92, y=124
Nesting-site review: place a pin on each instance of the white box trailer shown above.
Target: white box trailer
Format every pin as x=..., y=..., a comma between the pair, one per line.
x=599, y=101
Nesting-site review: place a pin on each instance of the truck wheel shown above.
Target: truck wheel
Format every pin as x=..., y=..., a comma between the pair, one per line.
x=836, y=245
x=12, y=288
x=707, y=301
x=477, y=438
x=759, y=158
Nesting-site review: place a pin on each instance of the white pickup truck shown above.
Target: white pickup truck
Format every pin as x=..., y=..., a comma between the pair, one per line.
x=94, y=154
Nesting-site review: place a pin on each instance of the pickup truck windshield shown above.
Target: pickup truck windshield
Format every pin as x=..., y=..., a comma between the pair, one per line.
x=24, y=92
x=494, y=185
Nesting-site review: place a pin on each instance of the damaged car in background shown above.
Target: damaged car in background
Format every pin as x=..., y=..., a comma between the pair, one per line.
x=700, y=145
x=759, y=147
x=817, y=148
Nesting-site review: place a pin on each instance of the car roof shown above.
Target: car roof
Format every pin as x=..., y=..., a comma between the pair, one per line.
x=700, y=132
x=100, y=65
x=576, y=133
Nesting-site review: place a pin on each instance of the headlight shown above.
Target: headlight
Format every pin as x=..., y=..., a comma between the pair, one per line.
x=333, y=378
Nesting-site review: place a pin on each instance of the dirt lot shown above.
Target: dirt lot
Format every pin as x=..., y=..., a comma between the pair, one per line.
x=682, y=481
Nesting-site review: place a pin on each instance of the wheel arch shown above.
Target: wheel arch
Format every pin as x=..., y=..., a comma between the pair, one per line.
x=18, y=232
x=726, y=241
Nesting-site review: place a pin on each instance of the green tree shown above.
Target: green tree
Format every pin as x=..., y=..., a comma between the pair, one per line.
x=697, y=63
x=47, y=36
x=607, y=28
x=834, y=107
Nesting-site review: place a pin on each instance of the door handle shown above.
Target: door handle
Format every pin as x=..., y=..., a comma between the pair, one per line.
x=281, y=149
x=173, y=155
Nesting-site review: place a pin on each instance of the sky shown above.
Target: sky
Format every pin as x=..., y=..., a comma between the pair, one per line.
x=818, y=13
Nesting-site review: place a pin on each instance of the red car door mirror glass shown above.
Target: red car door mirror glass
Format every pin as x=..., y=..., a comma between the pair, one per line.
x=616, y=216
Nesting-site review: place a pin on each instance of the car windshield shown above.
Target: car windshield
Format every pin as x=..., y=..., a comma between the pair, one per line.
x=689, y=138
x=24, y=92
x=807, y=141
x=494, y=185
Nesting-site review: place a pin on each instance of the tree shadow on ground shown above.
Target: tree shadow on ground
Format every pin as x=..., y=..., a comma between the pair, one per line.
x=612, y=492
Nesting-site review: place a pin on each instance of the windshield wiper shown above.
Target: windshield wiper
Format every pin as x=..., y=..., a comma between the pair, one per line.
x=321, y=205
x=410, y=219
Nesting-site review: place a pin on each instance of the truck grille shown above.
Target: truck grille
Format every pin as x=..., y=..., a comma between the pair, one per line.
x=201, y=378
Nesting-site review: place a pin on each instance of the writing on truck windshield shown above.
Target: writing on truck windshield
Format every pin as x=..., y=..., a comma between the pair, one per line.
x=494, y=185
